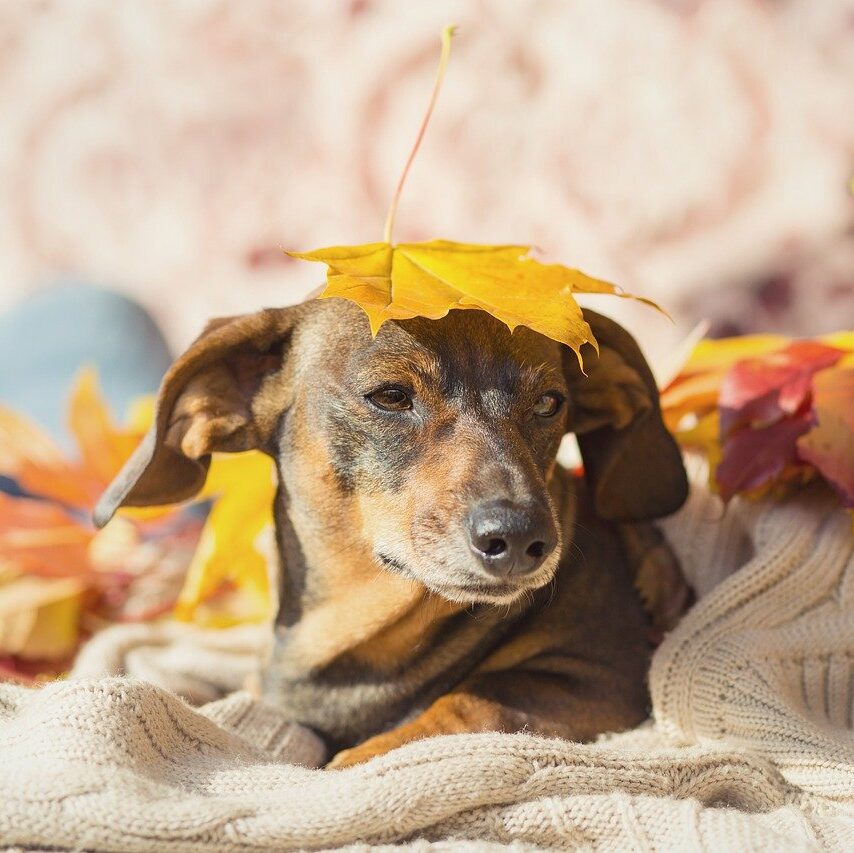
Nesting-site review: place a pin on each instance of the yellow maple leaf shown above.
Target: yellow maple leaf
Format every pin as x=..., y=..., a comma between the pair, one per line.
x=398, y=282
x=39, y=617
x=230, y=552
x=429, y=279
x=704, y=436
x=720, y=354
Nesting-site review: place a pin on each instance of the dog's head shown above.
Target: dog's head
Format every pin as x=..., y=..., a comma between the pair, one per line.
x=431, y=446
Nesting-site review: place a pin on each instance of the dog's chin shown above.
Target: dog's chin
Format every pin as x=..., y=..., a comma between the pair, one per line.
x=474, y=588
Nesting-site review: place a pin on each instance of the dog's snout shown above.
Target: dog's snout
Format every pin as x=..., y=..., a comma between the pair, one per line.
x=510, y=538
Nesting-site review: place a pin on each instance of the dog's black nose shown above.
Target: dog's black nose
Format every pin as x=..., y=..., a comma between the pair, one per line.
x=510, y=538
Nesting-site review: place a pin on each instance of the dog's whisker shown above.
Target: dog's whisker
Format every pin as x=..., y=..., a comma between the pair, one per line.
x=552, y=590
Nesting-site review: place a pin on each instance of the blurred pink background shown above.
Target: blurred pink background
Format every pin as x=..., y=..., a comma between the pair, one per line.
x=696, y=152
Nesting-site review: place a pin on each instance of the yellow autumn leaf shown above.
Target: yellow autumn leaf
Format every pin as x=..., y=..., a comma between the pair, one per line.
x=694, y=395
x=140, y=415
x=229, y=553
x=719, y=354
x=30, y=456
x=398, y=282
x=703, y=436
x=844, y=341
x=39, y=617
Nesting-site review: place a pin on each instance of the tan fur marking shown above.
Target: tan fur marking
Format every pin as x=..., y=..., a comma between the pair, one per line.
x=383, y=515
x=454, y=713
x=394, y=645
x=368, y=610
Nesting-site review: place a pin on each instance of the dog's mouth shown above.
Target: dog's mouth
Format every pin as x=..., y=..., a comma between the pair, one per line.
x=474, y=590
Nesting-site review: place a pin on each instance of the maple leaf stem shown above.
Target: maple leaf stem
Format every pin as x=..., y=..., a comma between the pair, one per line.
x=447, y=34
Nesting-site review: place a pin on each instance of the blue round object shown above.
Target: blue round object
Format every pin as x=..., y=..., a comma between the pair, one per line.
x=50, y=336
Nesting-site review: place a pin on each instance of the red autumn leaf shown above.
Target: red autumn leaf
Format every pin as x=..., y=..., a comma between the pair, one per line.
x=830, y=445
x=753, y=458
x=761, y=391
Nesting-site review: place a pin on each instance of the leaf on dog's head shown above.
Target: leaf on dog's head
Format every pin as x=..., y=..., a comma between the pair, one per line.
x=429, y=279
x=398, y=282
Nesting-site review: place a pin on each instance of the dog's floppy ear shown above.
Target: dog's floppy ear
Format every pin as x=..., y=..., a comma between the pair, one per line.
x=632, y=464
x=209, y=401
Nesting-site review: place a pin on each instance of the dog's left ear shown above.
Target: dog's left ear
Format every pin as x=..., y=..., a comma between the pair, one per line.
x=632, y=464
x=221, y=395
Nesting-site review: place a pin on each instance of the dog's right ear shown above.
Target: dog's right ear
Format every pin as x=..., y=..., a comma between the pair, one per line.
x=632, y=464
x=223, y=395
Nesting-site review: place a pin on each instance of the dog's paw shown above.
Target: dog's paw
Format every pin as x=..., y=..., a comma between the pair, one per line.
x=351, y=757
x=371, y=748
x=345, y=758
x=658, y=577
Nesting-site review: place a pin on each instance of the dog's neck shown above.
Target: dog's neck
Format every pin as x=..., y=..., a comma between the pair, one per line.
x=337, y=599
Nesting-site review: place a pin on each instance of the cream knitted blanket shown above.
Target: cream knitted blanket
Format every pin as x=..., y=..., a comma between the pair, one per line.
x=751, y=746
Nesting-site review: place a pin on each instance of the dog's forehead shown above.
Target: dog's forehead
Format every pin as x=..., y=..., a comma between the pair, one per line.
x=470, y=346
x=464, y=343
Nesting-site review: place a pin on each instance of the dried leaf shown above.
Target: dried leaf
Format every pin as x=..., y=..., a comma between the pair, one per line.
x=759, y=391
x=754, y=459
x=695, y=390
x=692, y=395
x=767, y=388
x=29, y=455
x=704, y=437
x=228, y=553
x=42, y=538
x=829, y=446
x=104, y=448
x=840, y=340
x=721, y=354
x=429, y=279
x=39, y=618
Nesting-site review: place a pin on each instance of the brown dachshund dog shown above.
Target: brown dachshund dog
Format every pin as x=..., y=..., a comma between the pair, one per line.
x=439, y=571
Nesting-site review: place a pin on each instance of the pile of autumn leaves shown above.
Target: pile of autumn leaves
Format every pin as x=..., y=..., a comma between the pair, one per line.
x=769, y=413
x=62, y=580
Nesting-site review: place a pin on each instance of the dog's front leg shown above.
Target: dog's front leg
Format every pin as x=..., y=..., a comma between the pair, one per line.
x=453, y=713
x=571, y=697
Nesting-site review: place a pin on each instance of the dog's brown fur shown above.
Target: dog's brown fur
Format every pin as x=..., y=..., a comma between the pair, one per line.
x=389, y=630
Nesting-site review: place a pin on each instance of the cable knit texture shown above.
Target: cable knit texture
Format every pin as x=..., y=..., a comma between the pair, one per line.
x=751, y=745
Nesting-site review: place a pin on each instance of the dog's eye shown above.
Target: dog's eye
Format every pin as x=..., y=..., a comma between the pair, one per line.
x=547, y=406
x=391, y=399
